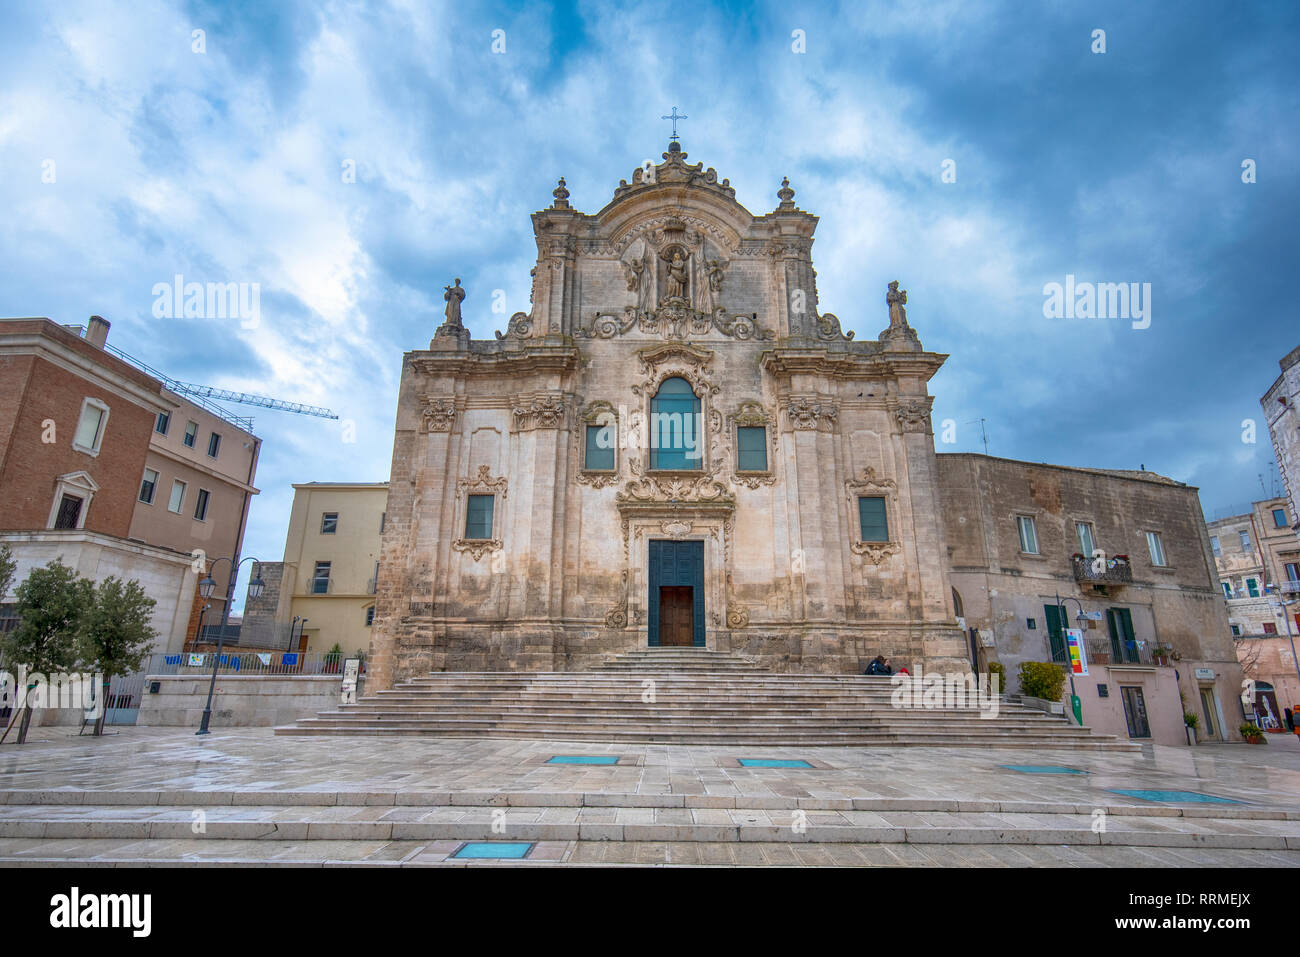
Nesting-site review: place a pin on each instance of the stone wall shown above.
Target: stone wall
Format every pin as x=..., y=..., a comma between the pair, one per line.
x=240, y=701
x=1003, y=589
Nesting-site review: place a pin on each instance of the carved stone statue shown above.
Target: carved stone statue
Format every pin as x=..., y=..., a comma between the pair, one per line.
x=709, y=292
x=454, y=296
x=635, y=271
x=677, y=277
x=896, y=301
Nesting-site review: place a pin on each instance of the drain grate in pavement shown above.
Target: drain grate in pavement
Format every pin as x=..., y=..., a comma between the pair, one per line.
x=493, y=850
x=1173, y=797
x=1041, y=769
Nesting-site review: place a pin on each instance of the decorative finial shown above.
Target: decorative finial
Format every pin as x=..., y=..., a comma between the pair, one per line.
x=561, y=196
x=786, y=193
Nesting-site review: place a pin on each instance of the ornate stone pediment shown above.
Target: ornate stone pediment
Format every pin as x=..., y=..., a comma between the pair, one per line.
x=438, y=412
x=544, y=411
x=483, y=483
x=869, y=482
x=674, y=318
x=676, y=488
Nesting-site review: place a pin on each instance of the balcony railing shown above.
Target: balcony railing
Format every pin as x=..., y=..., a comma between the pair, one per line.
x=1116, y=652
x=1114, y=571
x=1289, y=588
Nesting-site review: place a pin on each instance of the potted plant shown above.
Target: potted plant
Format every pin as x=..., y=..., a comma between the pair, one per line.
x=1192, y=719
x=1162, y=653
x=1251, y=734
x=333, y=658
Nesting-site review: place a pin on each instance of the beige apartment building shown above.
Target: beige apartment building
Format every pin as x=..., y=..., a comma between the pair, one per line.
x=323, y=592
x=1257, y=558
x=1281, y=405
x=197, y=486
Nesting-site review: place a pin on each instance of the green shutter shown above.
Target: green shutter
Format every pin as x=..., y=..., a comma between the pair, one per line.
x=599, y=458
x=872, y=520
x=1056, y=621
x=752, y=448
x=478, y=516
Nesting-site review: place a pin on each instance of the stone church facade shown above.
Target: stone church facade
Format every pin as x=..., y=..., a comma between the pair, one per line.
x=674, y=446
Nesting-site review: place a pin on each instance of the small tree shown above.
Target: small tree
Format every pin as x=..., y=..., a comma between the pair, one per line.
x=116, y=634
x=7, y=566
x=52, y=605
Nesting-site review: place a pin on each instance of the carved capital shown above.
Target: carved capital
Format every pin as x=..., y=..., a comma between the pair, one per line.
x=812, y=412
x=538, y=412
x=914, y=414
x=438, y=413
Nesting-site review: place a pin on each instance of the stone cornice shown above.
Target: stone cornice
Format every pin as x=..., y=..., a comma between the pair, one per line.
x=460, y=364
x=850, y=365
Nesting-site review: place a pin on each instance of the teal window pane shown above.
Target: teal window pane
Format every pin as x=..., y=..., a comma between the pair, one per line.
x=676, y=441
x=871, y=515
x=751, y=444
x=478, y=516
x=600, y=448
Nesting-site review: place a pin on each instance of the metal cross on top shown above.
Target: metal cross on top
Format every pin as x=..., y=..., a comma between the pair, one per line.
x=674, y=117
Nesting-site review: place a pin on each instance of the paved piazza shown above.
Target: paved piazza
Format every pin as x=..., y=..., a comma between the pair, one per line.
x=133, y=797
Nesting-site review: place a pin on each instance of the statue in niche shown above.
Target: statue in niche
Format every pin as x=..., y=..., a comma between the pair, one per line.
x=454, y=296
x=677, y=276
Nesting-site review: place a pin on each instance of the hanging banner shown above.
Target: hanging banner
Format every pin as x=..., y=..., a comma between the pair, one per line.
x=1078, y=656
x=195, y=661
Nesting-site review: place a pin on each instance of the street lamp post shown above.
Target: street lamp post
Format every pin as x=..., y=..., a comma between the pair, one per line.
x=206, y=587
x=1076, y=704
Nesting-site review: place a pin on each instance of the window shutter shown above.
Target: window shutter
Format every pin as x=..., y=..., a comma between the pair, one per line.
x=871, y=518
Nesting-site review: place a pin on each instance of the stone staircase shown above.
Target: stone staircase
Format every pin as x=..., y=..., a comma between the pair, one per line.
x=385, y=828
x=689, y=696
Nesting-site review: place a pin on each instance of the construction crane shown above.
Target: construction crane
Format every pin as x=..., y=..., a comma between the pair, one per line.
x=205, y=393
x=246, y=398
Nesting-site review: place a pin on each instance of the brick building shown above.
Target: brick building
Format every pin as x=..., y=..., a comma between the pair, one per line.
x=83, y=467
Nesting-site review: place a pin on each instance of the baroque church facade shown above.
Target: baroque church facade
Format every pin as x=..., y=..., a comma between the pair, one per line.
x=675, y=446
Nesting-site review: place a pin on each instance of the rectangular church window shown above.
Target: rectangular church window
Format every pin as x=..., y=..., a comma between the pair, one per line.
x=871, y=517
x=600, y=449
x=478, y=516
x=751, y=445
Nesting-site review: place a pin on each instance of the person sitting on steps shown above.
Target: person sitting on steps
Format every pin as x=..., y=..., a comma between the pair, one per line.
x=879, y=666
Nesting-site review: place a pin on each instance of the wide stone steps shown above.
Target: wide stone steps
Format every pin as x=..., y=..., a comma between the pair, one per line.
x=710, y=706
x=32, y=822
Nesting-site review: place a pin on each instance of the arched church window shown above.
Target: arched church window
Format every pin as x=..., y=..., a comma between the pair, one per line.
x=676, y=439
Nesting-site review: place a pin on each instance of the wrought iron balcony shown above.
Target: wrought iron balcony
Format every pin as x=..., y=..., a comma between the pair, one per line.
x=1111, y=571
x=1110, y=651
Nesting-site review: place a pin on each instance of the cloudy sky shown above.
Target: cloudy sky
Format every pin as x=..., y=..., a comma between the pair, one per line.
x=222, y=157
